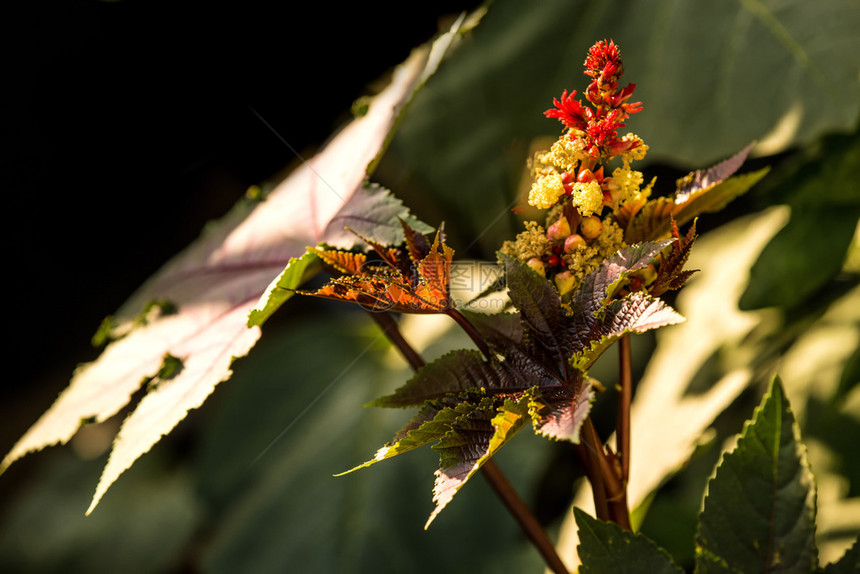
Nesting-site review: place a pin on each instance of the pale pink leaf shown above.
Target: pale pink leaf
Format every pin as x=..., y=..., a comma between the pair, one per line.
x=214, y=284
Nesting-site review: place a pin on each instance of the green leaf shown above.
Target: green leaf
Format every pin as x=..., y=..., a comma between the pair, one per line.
x=283, y=287
x=470, y=443
x=713, y=199
x=605, y=547
x=759, y=513
x=702, y=191
x=810, y=250
x=430, y=424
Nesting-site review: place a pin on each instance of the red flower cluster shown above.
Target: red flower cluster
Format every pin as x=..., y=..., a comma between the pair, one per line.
x=598, y=127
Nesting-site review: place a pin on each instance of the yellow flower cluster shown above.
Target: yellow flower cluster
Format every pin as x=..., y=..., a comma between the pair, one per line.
x=529, y=244
x=587, y=198
x=546, y=191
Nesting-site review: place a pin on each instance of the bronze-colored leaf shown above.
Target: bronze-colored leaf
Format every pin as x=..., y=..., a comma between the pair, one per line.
x=670, y=273
x=397, y=281
x=344, y=261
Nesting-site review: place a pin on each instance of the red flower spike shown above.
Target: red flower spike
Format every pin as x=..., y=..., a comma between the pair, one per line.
x=596, y=129
x=602, y=55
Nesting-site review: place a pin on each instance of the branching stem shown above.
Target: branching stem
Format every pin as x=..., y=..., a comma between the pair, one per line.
x=610, y=494
x=490, y=470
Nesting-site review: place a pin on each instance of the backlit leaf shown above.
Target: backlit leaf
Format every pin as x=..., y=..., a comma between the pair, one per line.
x=430, y=424
x=703, y=191
x=700, y=181
x=419, y=283
x=472, y=442
x=713, y=199
x=559, y=413
x=372, y=211
x=213, y=286
x=283, y=287
x=636, y=313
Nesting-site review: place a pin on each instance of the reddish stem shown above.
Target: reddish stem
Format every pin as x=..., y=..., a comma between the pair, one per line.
x=610, y=494
x=622, y=432
x=471, y=331
x=532, y=528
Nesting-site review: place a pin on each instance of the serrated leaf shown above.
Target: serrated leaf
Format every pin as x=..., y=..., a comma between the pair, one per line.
x=759, y=512
x=599, y=285
x=653, y=220
x=214, y=285
x=703, y=191
x=713, y=199
x=605, y=547
x=702, y=180
x=471, y=443
x=559, y=413
x=670, y=273
x=458, y=371
x=540, y=310
x=417, y=284
x=372, y=211
x=636, y=313
x=537, y=301
x=428, y=425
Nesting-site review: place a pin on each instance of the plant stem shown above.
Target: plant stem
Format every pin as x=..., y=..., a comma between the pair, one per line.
x=471, y=331
x=622, y=431
x=392, y=331
x=532, y=528
x=490, y=470
x=588, y=455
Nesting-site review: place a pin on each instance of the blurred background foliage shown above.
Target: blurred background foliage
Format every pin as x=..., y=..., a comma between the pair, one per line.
x=245, y=483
